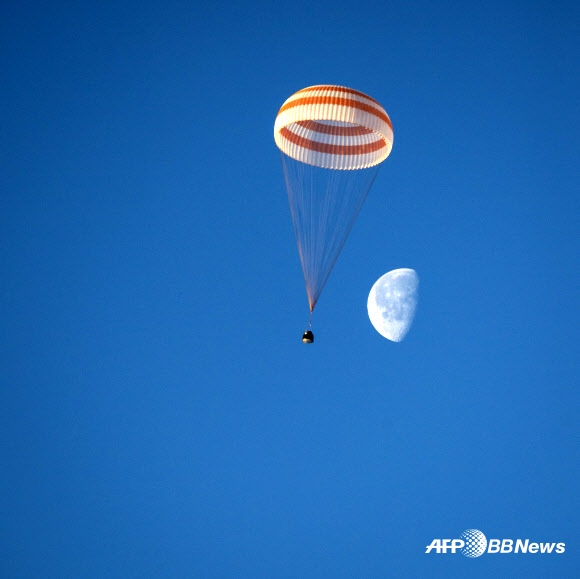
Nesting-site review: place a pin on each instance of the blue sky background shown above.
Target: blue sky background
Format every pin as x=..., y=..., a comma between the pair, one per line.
x=159, y=416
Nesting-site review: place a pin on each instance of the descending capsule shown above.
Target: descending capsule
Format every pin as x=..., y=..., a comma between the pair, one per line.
x=308, y=337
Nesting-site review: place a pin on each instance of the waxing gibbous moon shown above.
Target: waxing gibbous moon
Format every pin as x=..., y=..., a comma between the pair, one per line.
x=392, y=303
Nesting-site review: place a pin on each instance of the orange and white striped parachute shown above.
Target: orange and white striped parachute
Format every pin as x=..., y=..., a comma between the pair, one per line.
x=334, y=127
x=332, y=140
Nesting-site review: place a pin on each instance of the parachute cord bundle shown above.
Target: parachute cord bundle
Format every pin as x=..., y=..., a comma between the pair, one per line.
x=324, y=204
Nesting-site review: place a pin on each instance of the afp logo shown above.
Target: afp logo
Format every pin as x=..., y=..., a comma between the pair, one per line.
x=473, y=543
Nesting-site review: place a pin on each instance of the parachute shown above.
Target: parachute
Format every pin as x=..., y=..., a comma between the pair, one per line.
x=332, y=140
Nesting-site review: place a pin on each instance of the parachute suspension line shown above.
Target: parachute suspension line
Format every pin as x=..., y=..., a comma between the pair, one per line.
x=324, y=204
x=299, y=208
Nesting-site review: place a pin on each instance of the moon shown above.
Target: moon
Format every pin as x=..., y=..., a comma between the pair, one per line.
x=392, y=303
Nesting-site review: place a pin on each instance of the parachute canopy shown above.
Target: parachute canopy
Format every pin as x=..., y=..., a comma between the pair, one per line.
x=334, y=127
x=332, y=140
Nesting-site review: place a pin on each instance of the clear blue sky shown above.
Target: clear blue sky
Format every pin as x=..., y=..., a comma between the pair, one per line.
x=159, y=416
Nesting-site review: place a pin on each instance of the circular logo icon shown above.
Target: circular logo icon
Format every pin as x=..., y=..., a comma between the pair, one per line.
x=475, y=543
